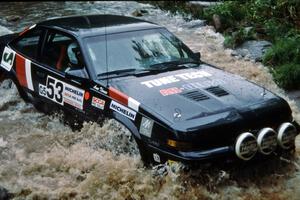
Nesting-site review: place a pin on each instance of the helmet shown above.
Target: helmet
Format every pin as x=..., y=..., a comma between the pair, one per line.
x=72, y=51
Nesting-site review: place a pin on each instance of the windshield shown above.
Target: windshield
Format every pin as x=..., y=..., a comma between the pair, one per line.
x=140, y=50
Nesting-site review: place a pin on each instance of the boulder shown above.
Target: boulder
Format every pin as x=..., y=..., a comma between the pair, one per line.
x=139, y=12
x=4, y=194
x=217, y=22
x=13, y=18
x=253, y=49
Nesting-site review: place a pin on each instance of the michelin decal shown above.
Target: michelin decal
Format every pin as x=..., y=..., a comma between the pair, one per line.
x=123, y=110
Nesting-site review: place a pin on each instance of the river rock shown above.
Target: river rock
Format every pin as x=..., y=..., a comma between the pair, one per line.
x=217, y=22
x=4, y=194
x=139, y=12
x=294, y=95
x=205, y=3
x=253, y=49
x=13, y=18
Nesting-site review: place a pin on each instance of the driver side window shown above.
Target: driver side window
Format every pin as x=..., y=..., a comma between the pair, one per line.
x=61, y=52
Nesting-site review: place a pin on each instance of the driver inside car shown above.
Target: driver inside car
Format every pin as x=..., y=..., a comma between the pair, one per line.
x=74, y=55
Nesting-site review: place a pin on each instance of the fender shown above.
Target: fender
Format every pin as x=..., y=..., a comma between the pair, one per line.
x=145, y=155
x=127, y=123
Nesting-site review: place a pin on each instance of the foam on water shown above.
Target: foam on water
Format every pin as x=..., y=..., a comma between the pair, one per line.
x=40, y=157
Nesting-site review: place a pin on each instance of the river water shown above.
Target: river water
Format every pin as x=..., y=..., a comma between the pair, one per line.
x=41, y=158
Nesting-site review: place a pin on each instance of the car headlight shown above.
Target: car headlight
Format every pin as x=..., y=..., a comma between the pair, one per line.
x=286, y=135
x=266, y=141
x=246, y=146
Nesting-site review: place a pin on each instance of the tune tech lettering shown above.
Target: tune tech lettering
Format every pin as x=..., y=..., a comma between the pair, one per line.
x=175, y=78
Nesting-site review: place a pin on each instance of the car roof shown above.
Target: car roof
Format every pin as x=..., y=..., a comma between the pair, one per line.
x=90, y=25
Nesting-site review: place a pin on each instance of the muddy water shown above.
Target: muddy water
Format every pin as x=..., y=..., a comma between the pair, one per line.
x=41, y=158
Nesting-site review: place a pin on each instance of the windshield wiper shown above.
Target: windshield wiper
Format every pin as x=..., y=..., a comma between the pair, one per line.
x=178, y=64
x=155, y=68
x=125, y=72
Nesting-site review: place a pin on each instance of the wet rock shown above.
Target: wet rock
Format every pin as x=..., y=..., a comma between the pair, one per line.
x=2, y=143
x=248, y=30
x=217, y=22
x=3, y=22
x=4, y=194
x=205, y=3
x=294, y=95
x=139, y=12
x=253, y=50
x=13, y=18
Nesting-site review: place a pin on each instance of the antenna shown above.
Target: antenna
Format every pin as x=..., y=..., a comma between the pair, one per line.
x=106, y=56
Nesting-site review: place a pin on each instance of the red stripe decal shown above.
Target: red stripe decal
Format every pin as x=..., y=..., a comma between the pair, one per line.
x=24, y=31
x=117, y=95
x=21, y=72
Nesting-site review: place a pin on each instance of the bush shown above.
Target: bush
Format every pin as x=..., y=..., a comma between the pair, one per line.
x=230, y=13
x=288, y=76
x=285, y=50
x=238, y=37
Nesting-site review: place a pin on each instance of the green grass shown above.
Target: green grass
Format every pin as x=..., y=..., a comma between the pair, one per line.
x=284, y=50
x=287, y=76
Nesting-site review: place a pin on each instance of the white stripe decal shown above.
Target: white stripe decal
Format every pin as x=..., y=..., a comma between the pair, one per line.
x=28, y=74
x=132, y=103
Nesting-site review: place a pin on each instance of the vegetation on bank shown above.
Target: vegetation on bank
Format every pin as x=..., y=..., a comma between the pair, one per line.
x=277, y=21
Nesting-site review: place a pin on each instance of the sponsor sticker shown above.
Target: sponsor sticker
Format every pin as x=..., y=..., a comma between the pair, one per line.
x=175, y=78
x=170, y=91
x=123, y=110
x=73, y=96
x=8, y=58
x=98, y=103
x=146, y=127
x=156, y=157
x=61, y=92
x=100, y=89
x=42, y=90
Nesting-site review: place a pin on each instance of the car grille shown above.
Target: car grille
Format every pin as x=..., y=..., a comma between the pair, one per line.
x=218, y=91
x=195, y=95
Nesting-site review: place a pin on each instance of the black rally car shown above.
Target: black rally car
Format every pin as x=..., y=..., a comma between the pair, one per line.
x=176, y=106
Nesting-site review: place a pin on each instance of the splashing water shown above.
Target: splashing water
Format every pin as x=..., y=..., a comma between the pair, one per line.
x=40, y=157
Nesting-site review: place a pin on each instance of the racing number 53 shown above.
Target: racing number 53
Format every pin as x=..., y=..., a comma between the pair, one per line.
x=55, y=90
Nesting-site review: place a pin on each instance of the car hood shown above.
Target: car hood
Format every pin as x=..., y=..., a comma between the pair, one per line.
x=184, y=96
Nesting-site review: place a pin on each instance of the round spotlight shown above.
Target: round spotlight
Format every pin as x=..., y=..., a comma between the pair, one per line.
x=266, y=141
x=286, y=135
x=246, y=146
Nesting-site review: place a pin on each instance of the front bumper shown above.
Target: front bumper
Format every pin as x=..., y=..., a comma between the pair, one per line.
x=163, y=154
x=191, y=156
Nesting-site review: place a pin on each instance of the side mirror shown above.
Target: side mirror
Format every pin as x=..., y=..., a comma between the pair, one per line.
x=79, y=75
x=197, y=56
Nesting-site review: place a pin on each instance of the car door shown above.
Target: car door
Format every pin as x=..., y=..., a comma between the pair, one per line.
x=50, y=77
x=23, y=54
